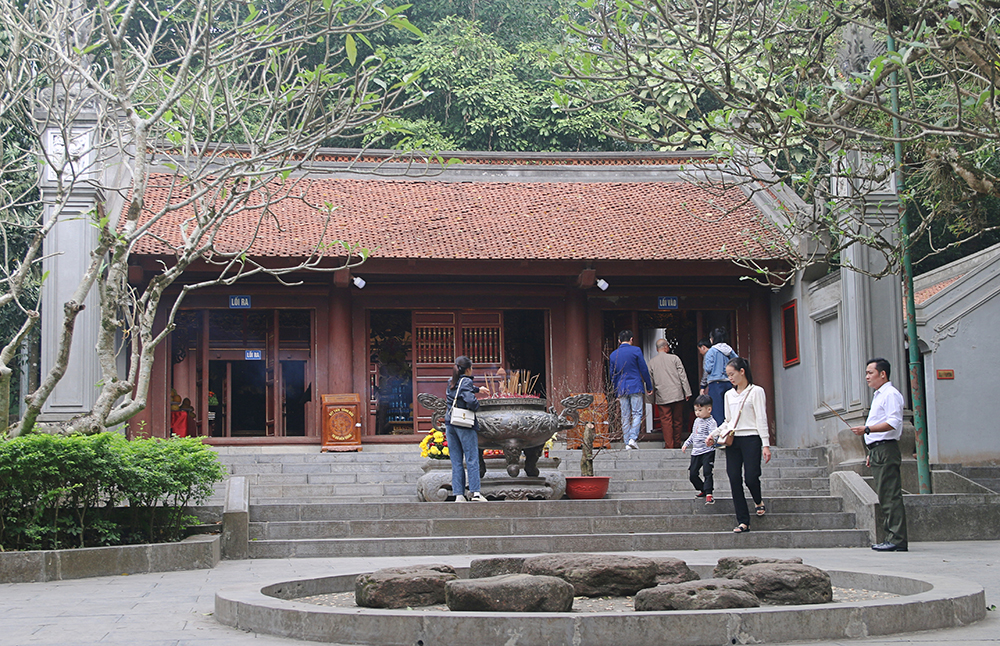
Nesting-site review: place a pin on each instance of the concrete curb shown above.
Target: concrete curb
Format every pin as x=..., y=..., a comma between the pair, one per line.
x=931, y=603
x=193, y=553
x=860, y=500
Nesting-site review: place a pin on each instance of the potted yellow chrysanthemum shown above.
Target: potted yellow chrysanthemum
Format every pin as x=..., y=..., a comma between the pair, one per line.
x=434, y=445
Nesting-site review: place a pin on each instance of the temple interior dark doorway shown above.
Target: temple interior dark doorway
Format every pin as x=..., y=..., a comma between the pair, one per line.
x=524, y=344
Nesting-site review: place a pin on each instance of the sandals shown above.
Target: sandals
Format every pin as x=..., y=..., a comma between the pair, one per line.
x=760, y=509
x=741, y=529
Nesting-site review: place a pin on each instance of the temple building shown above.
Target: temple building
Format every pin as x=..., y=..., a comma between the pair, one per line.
x=524, y=262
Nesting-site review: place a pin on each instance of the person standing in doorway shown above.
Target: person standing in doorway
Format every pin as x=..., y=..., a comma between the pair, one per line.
x=671, y=388
x=463, y=443
x=703, y=347
x=881, y=432
x=716, y=358
x=630, y=379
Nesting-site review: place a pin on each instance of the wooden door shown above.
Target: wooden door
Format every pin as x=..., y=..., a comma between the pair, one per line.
x=440, y=336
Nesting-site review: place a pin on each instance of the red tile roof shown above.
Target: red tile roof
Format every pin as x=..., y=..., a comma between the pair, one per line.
x=923, y=294
x=489, y=220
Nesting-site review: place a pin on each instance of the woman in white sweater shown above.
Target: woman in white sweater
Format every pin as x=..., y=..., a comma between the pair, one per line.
x=746, y=420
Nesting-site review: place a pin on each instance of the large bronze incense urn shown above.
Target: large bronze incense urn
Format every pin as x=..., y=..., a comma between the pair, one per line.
x=515, y=424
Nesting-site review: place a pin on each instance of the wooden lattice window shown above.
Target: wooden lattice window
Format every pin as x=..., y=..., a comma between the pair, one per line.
x=482, y=344
x=434, y=344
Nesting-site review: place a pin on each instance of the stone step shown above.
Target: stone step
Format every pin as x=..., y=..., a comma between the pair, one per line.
x=410, y=453
x=390, y=473
x=396, y=475
x=606, y=508
x=625, y=467
x=678, y=484
x=405, y=492
x=986, y=476
x=549, y=542
x=719, y=521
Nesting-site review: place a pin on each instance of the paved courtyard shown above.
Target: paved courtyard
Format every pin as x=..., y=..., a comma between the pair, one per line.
x=175, y=609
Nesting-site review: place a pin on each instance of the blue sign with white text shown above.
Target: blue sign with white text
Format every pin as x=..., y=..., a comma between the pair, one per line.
x=239, y=302
x=254, y=355
x=666, y=302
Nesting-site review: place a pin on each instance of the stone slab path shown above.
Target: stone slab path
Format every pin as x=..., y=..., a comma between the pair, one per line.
x=175, y=608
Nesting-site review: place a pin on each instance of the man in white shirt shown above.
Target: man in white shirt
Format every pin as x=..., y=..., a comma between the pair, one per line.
x=882, y=431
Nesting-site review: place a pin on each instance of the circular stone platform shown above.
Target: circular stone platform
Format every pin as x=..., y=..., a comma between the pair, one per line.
x=926, y=603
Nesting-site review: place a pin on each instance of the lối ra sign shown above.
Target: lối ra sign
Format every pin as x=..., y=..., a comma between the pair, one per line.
x=239, y=302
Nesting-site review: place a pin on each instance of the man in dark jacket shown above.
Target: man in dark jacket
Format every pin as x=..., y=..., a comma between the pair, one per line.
x=630, y=379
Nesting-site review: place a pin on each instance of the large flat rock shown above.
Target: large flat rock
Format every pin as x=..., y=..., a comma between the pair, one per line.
x=510, y=593
x=495, y=566
x=596, y=575
x=401, y=587
x=787, y=583
x=706, y=594
x=728, y=565
x=672, y=570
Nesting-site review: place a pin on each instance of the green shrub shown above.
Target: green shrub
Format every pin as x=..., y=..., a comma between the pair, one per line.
x=90, y=490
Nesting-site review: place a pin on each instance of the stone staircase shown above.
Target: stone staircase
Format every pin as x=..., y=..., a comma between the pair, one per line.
x=987, y=475
x=309, y=504
x=406, y=529
x=389, y=474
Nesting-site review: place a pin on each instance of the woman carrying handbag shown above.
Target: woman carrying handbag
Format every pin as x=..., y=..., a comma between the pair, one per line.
x=461, y=431
x=746, y=438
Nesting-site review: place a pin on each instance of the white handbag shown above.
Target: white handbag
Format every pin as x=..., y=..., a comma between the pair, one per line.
x=461, y=416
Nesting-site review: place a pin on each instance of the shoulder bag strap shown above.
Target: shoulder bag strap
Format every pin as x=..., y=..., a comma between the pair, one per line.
x=746, y=396
x=457, y=388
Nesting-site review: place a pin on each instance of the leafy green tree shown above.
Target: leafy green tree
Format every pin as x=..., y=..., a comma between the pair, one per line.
x=800, y=93
x=511, y=23
x=479, y=95
x=166, y=89
x=19, y=210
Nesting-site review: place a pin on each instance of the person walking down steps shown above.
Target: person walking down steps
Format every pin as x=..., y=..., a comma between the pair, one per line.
x=702, y=455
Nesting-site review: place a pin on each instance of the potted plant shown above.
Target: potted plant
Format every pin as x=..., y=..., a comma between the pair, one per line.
x=434, y=446
x=587, y=486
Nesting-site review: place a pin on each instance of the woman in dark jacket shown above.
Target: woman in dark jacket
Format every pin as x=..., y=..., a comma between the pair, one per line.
x=463, y=442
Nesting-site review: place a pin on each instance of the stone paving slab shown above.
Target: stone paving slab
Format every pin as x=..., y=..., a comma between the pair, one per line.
x=176, y=608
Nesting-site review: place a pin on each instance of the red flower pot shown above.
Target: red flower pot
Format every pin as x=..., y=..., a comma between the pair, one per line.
x=587, y=487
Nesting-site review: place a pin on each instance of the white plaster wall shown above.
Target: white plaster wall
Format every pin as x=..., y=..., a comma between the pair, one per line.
x=799, y=422
x=960, y=334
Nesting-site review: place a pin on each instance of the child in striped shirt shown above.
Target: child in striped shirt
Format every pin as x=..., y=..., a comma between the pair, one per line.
x=702, y=455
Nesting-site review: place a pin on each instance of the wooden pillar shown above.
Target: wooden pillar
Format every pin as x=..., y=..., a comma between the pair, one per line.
x=340, y=355
x=595, y=340
x=760, y=355
x=154, y=420
x=576, y=340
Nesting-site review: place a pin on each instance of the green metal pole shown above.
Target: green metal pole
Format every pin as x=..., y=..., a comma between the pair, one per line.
x=916, y=378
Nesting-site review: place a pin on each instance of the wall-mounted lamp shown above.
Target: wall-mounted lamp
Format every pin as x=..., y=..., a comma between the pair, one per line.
x=359, y=282
x=602, y=284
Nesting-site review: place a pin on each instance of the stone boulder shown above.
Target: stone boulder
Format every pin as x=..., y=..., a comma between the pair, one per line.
x=510, y=593
x=670, y=570
x=480, y=568
x=787, y=583
x=596, y=575
x=727, y=565
x=401, y=587
x=706, y=594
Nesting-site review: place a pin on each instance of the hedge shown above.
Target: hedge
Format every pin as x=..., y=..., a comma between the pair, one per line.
x=92, y=490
